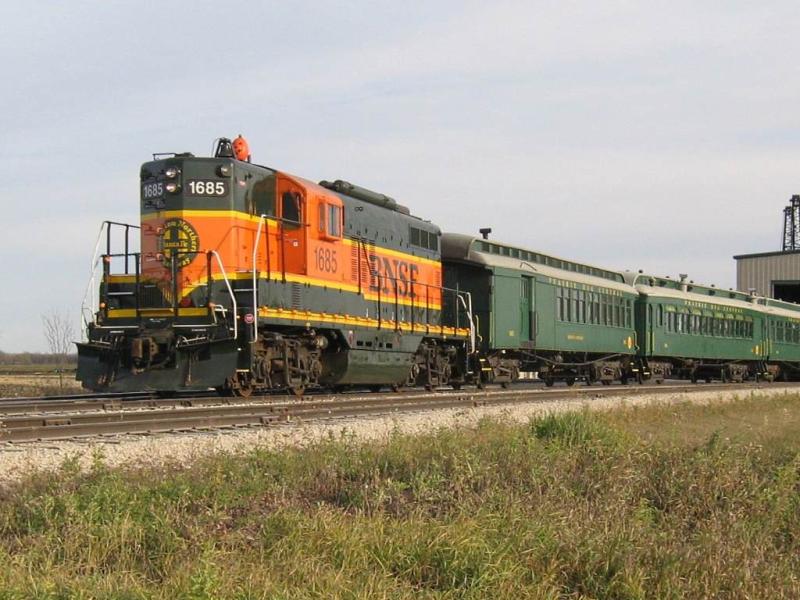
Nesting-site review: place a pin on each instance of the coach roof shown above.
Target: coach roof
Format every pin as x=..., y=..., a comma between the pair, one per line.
x=489, y=253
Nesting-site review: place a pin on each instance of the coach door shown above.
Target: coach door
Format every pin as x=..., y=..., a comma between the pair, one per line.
x=292, y=228
x=527, y=330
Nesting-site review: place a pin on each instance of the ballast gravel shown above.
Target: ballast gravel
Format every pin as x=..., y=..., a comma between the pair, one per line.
x=182, y=448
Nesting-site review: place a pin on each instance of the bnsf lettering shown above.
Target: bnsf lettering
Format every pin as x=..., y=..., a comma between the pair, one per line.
x=391, y=273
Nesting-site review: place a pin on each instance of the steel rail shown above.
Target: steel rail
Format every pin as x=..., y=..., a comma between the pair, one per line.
x=264, y=411
x=147, y=400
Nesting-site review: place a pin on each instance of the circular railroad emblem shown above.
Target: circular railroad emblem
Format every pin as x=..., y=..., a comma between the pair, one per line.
x=178, y=239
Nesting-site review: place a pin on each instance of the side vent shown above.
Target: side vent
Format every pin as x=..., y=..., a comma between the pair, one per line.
x=354, y=262
x=296, y=295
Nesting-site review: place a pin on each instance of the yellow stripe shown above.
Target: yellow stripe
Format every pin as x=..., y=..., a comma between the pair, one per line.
x=306, y=316
x=128, y=313
x=216, y=214
x=303, y=316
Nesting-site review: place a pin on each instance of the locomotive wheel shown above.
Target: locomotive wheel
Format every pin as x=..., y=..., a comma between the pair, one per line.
x=243, y=392
x=297, y=390
x=570, y=381
x=239, y=391
x=606, y=382
x=549, y=382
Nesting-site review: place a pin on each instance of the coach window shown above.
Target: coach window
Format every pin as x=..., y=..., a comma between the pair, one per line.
x=660, y=315
x=559, y=304
x=597, y=300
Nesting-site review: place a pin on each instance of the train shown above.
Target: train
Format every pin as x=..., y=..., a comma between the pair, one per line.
x=243, y=278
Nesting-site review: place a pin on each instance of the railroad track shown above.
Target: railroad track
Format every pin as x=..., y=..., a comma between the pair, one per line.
x=45, y=420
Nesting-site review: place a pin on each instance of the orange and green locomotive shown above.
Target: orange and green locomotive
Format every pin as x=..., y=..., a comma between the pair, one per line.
x=248, y=278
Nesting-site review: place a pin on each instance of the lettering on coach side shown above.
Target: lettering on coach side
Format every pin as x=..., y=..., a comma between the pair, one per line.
x=391, y=273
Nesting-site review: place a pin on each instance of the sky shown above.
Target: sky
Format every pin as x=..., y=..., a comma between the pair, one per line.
x=661, y=136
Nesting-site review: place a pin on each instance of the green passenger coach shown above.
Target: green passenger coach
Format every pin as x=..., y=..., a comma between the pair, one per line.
x=539, y=314
x=698, y=332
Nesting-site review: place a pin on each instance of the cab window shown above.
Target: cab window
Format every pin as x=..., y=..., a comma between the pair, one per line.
x=262, y=197
x=330, y=220
x=334, y=221
x=290, y=205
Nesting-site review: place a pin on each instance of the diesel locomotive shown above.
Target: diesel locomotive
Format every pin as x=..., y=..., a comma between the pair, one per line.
x=248, y=278
x=243, y=278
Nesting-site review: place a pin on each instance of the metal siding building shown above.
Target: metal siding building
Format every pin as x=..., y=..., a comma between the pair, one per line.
x=772, y=274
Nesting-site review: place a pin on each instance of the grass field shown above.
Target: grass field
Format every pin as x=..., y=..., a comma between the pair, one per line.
x=42, y=384
x=47, y=368
x=663, y=502
x=37, y=379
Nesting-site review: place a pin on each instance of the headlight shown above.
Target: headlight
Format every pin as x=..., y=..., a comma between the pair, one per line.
x=223, y=170
x=171, y=173
x=172, y=187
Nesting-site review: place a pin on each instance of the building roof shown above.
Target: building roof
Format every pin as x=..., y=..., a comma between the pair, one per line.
x=766, y=254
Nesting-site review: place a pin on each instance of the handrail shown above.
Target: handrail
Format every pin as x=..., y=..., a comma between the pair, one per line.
x=86, y=303
x=91, y=284
x=468, y=309
x=261, y=221
x=230, y=293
